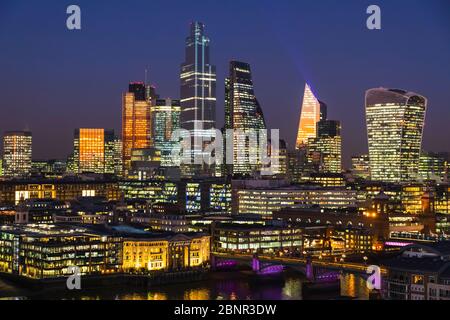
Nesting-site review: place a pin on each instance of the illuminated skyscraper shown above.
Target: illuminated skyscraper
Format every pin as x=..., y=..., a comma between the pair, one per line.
x=395, y=120
x=93, y=151
x=242, y=112
x=312, y=112
x=166, y=119
x=17, y=154
x=198, y=97
x=136, y=121
x=325, y=149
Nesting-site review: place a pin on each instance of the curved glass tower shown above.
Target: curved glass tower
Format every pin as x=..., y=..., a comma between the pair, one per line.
x=395, y=120
x=243, y=114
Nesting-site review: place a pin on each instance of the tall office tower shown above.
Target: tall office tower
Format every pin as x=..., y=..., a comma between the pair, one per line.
x=17, y=154
x=395, y=120
x=93, y=151
x=198, y=98
x=136, y=122
x=433, y=166
x=361, y=166
x=325, y=149
x=117, y=157
x=312, y=112
x=297, y=165
x=166, y=120
x=243, y=113
x=279, y=161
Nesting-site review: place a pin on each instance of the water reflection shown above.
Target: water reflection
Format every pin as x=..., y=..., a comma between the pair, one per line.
x=354, y=286
x=230, y=287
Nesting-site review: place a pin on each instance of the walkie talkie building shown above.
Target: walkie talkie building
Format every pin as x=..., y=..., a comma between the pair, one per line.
x=395, y=120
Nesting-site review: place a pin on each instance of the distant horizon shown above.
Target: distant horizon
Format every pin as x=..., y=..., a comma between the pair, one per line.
x=75, y=79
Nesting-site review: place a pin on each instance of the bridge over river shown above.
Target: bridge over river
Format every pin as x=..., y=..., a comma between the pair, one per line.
x=294, y=263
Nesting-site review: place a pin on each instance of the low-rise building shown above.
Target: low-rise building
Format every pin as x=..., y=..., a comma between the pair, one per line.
x=256, y=238
x=265, y=201
x=51, y=251
x=419, y=272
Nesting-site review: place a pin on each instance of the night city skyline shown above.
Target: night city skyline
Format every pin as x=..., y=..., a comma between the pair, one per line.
x=229, y=157
x=76, y=79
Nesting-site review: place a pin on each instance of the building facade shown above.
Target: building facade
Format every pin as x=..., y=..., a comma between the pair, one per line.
x=136, y=122
x=17, y=154
x=419, y=272
x=312, y=112
x=198, y=98
x=265, y=201
x=325, y=151
x=433, y=167
x=395, y=120
x=361, y=166
x=244, y=116
x=94, y=151
x=255, y=238
x=12, y=192
x=165, y=121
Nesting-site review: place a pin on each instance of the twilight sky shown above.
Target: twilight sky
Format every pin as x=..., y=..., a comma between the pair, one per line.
x=53, y=80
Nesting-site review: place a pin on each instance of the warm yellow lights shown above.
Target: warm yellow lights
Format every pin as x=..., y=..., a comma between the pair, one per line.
x=136, y=126
x=175, y=253
x=310, y=115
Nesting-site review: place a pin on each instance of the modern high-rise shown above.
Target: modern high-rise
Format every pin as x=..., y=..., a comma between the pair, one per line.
x=93, y=151
x=17, y=154
x=198, y=98
x=395, y=120
x=326, y=148
x=136, y=121
x=312, y=112
x=165, y=121
x=244, y=115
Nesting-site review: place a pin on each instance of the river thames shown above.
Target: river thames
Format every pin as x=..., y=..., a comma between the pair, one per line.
x=225, y=287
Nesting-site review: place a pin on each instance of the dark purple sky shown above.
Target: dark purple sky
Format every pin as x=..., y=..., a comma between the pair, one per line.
x=53, y=80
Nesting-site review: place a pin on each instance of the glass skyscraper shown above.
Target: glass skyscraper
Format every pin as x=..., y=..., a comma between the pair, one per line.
x=242, y=112
x=326, y=149
x=198, y=97
x=136, y=121
x=312, y=112
x=395, y=120
x=166, y=120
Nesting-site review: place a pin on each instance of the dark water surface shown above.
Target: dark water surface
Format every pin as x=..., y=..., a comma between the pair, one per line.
x=229, y=286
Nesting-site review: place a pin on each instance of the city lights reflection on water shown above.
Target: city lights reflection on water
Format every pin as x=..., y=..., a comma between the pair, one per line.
x=229, y=288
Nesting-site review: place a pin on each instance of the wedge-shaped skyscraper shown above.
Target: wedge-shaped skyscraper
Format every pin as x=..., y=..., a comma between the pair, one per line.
x=395, y=120
x=312, y=112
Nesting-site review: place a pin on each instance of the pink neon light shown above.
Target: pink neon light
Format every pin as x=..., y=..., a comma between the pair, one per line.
x=397, y=244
